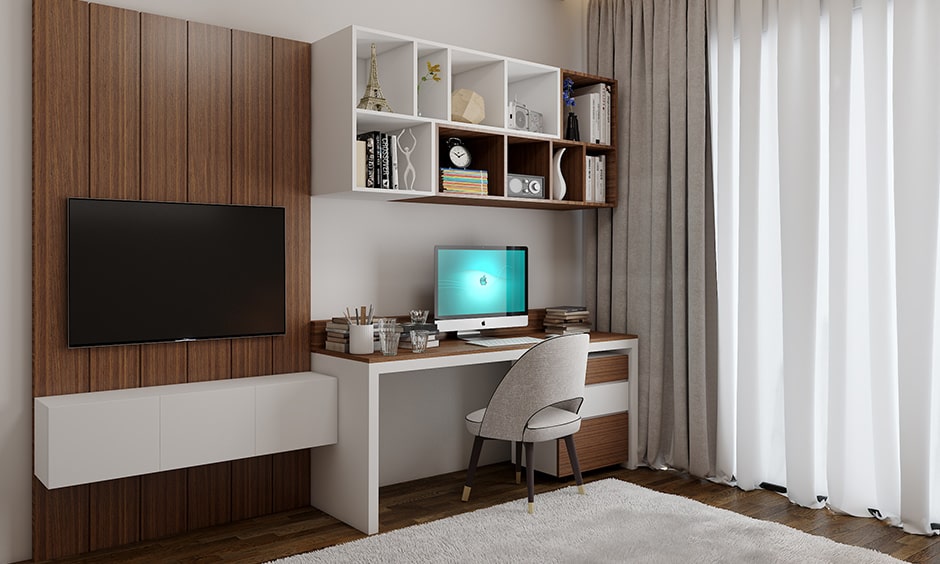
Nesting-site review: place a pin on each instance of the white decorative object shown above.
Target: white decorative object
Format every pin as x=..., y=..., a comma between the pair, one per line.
x=559, y=186
x=409, y=176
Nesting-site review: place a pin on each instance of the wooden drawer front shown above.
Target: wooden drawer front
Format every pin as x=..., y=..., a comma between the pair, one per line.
x=601, y=442
x=607, y=368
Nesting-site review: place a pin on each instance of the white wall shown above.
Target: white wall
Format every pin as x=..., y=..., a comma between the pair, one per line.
x=390, y=271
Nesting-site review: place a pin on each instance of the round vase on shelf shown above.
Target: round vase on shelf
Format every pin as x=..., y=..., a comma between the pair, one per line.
x=559, y=186
x=572, y=132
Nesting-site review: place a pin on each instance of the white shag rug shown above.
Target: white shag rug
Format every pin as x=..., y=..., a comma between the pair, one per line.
x=614, y=522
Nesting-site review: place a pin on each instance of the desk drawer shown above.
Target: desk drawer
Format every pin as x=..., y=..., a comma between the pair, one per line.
x=607, y=368
x=602, y=441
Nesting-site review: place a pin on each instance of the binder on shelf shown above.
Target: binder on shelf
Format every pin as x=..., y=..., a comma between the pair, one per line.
x=597, y=98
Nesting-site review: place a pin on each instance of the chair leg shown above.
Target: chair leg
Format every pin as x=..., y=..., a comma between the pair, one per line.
x=575, y=467
x=530, y=475
x=519, y=462
x=472, y=467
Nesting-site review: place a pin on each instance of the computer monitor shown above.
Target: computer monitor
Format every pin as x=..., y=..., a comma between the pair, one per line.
x=477, y=288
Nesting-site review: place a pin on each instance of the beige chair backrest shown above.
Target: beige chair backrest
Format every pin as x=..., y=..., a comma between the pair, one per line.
x=551, y=373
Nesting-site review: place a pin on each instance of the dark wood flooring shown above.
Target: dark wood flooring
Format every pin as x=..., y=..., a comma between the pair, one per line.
x=401, y=505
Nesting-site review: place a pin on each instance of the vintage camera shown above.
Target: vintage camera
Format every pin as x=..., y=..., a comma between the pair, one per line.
x=521, y=117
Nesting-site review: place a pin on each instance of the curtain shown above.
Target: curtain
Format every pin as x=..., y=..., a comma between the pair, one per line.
x=826, y=129
x=650, y=262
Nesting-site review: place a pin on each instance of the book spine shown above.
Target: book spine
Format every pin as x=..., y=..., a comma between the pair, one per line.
x=601, y=181
x=369, y=158
x=361, y=165
x=393, y=149
x=385, y=161
x=595, y=117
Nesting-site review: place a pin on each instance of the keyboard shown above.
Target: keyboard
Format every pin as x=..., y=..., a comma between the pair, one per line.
x=504, y=341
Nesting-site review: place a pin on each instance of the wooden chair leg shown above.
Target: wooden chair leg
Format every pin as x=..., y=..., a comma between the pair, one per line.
x=519, y=462
x=530, y=475
x=472, y=467
x=575, y=467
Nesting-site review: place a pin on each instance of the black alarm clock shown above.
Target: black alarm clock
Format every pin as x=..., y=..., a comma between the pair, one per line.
x=456, y=153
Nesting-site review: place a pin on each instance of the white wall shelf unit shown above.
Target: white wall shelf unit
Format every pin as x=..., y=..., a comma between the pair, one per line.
x=341, y=71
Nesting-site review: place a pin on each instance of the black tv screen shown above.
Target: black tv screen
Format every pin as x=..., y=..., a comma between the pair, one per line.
x=142, y=272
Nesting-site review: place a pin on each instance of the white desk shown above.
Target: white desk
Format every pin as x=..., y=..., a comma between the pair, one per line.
x=345, y=476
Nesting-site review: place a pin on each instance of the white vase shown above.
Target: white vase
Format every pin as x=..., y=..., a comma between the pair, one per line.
x=559, y=186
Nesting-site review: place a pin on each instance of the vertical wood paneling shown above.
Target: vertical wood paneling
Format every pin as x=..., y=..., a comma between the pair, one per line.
x=163, y=363
x=115, y=150
x=252, y=487
x=292, y=190
x=60, y=169
x=138, y=106
x=163, y=504
x=163, y=109
x=291, y=471
x=60, y=521
x=252, y=162
x=210, y=495
x=114, y=512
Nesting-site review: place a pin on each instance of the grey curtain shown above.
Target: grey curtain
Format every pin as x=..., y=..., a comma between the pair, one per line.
x=651, y=260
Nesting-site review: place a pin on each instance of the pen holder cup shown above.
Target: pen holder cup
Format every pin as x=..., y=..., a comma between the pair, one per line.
x=361, y=339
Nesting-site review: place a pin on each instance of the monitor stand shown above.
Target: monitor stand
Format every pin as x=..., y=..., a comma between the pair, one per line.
x=469, y=335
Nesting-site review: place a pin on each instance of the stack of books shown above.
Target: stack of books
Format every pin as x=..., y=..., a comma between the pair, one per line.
x=464, y=181
x=337, y=335
x=567, y=320
x=592, y=105
x=377, y=160
x=595, y=178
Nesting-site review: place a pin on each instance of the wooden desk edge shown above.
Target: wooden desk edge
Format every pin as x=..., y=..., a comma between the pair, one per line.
x=449, y=347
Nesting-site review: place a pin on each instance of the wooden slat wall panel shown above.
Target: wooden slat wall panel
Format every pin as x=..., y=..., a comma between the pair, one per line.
x=163, y=109
x=291, y=471
x=114, y=512
x=115, y=149
x=252, y=487
x=163, y=504
x=292, y=190
x=60, y=170
x=252, y=162
x=210, y=495
x=137, y=106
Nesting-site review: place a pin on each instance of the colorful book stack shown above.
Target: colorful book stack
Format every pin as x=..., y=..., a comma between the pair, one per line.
x=463, y=181
x=567, y=320
x=407, y=328
x=337, y=335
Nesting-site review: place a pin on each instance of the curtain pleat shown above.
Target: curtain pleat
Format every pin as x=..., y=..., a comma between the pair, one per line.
x=650, y=261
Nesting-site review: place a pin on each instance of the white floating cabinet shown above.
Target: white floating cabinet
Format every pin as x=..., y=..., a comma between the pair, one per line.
x=90, y=437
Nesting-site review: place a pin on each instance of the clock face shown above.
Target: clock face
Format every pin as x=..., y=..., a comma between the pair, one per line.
x=458, y=154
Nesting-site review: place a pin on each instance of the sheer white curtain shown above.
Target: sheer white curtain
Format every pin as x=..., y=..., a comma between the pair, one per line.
x=826, y=129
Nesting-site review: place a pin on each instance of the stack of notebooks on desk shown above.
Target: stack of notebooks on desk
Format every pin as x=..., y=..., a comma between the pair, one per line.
x=407, y=328
x=463, y=181
x=567, y=320
x=337, y=335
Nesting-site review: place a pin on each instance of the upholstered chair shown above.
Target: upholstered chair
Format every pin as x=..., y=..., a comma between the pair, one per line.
x=537, y=400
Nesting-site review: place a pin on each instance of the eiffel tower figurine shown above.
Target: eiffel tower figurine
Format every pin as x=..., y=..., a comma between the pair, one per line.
x=373, y=99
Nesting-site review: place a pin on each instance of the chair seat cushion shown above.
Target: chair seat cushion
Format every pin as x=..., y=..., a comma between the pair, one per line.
x=548, y=424
x=551, y=423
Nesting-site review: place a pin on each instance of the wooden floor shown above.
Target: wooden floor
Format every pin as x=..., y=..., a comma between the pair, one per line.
x=401, y=505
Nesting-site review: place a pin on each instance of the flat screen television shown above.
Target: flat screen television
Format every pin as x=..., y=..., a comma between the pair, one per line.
x=143, y=272
x=479, y=287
